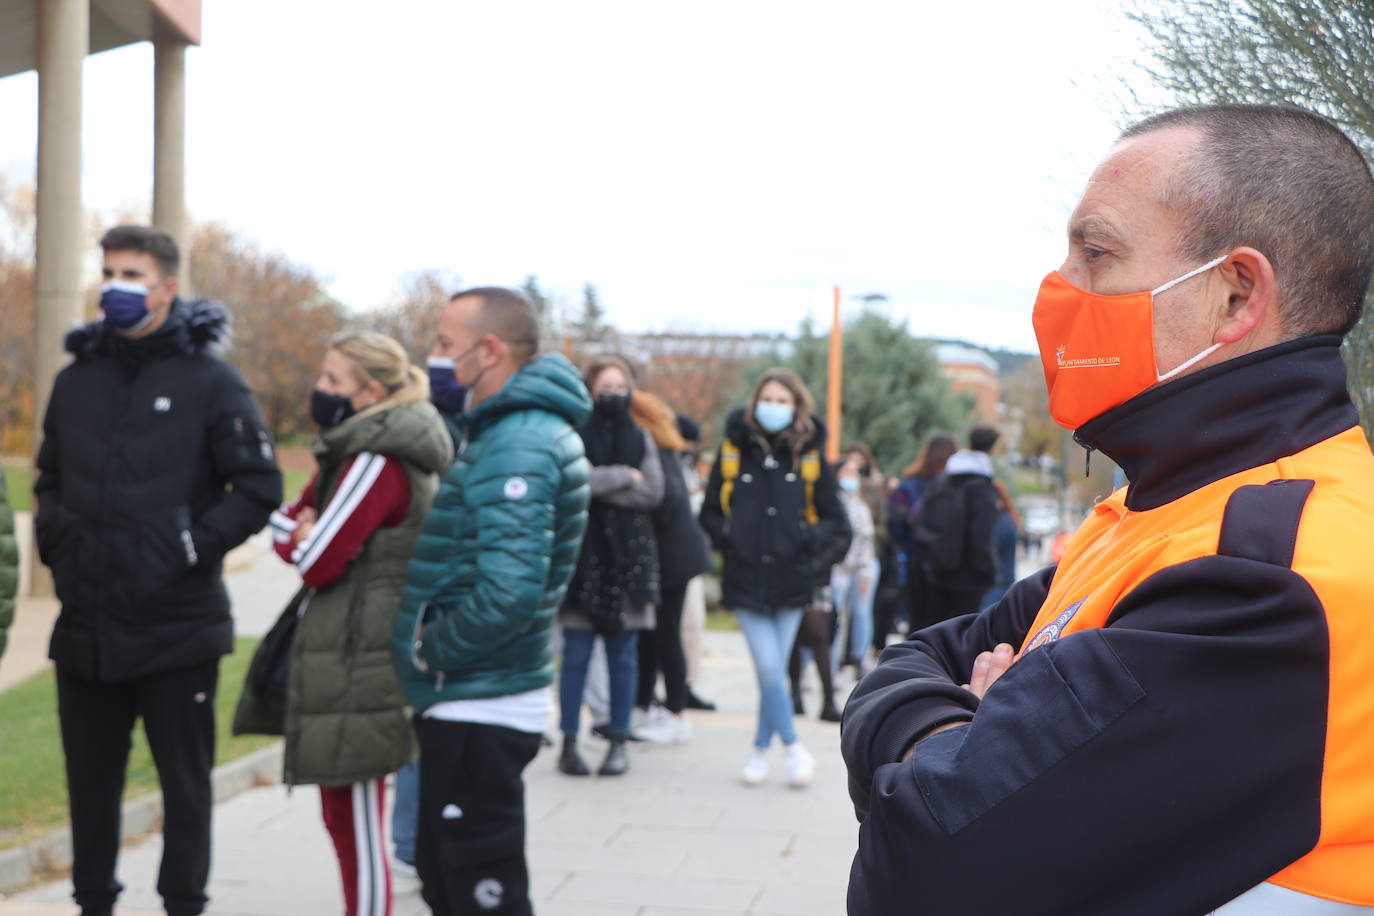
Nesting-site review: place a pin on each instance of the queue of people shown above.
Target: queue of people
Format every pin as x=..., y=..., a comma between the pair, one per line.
x=438, y=597
x=478, y=530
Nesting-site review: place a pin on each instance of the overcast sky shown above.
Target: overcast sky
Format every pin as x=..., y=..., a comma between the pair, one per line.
x=709, y=166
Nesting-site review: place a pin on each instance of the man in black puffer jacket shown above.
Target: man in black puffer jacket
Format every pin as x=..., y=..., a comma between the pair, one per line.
x=155, y=463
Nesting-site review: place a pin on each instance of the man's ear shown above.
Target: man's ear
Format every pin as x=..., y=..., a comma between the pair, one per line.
x=1252, y=295
x=173, y=286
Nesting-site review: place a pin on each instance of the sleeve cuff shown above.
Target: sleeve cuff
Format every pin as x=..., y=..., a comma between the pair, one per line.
x=906, y=723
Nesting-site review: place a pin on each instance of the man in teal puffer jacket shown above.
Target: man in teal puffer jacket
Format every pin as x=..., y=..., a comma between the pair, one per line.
x=490, y=568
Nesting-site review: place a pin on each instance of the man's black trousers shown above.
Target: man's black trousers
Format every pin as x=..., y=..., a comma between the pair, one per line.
x=178, y=712
x=470, y=843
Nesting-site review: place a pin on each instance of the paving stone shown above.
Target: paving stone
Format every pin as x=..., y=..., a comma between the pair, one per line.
x=722, y=896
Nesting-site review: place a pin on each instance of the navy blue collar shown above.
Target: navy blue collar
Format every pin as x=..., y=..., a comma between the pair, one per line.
x=1228, y=418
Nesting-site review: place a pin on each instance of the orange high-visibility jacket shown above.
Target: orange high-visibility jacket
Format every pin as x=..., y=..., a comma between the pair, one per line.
x=1192, y=710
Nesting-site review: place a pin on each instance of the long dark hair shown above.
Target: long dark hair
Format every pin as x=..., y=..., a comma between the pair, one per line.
x=931, y=464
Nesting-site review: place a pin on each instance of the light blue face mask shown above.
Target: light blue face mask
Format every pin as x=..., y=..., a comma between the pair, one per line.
x=849, y=484
x=774, y=418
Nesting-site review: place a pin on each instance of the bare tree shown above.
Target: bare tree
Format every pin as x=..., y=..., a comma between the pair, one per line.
x=1318, y=54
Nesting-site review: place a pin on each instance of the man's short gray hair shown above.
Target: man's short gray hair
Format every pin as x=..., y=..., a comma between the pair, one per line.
x=1286, y=182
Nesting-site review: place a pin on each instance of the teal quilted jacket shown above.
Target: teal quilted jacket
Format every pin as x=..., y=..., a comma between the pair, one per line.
x=499, y=545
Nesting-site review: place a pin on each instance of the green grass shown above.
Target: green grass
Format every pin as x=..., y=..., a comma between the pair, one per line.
x=721, y=620
x=292, y=482
x=19, y=483
x=33, y=786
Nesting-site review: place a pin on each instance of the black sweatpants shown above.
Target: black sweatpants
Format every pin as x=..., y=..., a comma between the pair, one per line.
x=178, y=712
x=660, y=649
x=470, y=842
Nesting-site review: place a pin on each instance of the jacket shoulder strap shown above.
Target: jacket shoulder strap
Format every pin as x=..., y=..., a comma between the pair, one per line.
x=729, y=473
x=811, y=472
x=1261, y=521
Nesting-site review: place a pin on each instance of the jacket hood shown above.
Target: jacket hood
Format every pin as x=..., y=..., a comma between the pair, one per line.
x=194, y=327
x=413, y=432
x=738, y=431
x=967, y=461
x=547, y=383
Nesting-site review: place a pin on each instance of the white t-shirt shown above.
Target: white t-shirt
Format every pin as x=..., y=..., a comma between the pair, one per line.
x=524, y=712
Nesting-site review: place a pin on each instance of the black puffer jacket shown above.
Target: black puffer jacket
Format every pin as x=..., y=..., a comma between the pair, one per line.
x=773, y=558
x=155, y=463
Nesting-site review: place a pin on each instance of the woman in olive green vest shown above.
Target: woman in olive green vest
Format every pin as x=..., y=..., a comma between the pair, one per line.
x=350, y=534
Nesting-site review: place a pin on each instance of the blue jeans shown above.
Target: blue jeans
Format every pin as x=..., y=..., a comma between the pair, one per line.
x=853, y=594
x=770, y=638
x=406, y=813
x=622, y=658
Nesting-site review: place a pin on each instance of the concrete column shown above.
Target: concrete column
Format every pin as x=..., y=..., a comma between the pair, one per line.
x=169, y=145
x=63, y=30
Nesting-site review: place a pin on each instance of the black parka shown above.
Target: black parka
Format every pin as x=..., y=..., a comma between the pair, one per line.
x=155, y=462
x=773, y=557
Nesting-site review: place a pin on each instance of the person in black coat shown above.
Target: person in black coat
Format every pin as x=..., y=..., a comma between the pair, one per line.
x=777, y=542
x=683, y=554
x=154, y=463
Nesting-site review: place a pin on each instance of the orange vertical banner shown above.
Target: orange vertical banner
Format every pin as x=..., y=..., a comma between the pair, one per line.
x=835, y=384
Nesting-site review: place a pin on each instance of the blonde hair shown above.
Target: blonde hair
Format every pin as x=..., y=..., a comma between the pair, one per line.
x=652, y=413
x=803, y=425
x=378, y=358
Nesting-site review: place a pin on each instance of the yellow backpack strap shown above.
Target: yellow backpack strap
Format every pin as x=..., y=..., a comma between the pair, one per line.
x=811, y=472
x=729, y=472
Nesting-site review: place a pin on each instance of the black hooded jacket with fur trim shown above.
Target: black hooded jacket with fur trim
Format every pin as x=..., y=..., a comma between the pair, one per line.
x=773, y=557
x=155, y=462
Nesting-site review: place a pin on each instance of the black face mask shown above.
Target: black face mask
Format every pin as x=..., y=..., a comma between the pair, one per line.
x=329, y=410
x=612, y=406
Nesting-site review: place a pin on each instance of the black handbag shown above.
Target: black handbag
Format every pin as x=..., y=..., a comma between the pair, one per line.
x=262, y=707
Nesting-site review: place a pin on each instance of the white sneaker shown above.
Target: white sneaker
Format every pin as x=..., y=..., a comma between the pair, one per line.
x=669, y=729
x=404, y=878
x=801, y=766
x=641, y=719
x=755, y=769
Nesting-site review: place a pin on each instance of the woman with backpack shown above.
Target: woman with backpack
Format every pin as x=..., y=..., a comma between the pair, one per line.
x=772, y=508
x=350, y=534
x=615, y=588
x=904, y=509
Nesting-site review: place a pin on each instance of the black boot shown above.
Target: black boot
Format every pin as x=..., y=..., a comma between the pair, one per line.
x=570, y=762
x=617, y=761
x=696, y=702
x=829, y=712
x=797, y=708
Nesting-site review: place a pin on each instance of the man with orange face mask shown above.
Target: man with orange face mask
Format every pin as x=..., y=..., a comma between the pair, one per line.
x=1178, y=718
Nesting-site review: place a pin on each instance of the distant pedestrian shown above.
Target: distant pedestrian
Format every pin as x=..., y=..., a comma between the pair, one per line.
x=615, y=587
x=350, y=534
x=1006, y=536
x=450, y=399
x=472, y=640
x=955, y=530
x=683, y=554
x=854, y=580
x=773, y=510
x=9, y=564
x=904, y=509
x=154, y=464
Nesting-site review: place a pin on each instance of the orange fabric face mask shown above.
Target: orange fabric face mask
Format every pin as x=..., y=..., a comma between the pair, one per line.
x=1098, y=351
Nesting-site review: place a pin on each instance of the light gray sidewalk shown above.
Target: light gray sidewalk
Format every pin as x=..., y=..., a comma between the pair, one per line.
x=677, y=836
